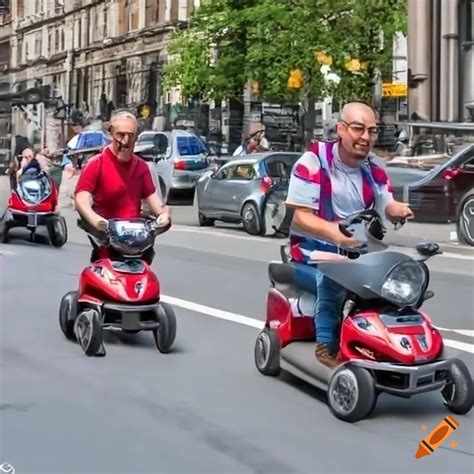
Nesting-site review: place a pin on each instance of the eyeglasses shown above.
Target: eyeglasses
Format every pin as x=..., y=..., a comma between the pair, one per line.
x=359, y=128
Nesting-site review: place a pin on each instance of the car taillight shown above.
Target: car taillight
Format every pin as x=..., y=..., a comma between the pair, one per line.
x=266, y=184
x=179, y=164
x=450, y=173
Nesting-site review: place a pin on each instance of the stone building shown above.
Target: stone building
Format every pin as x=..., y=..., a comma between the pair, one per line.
x=94, y=54
x=5, y=118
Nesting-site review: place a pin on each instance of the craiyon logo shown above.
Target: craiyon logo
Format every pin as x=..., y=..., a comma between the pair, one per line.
x=7, y=468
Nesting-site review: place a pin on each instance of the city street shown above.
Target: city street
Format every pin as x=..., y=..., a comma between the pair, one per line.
x=203, y=407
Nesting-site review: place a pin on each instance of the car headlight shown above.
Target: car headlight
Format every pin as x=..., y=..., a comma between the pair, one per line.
x=405, y=283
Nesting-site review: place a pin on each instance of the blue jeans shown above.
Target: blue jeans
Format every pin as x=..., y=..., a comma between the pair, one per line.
x=328, y=309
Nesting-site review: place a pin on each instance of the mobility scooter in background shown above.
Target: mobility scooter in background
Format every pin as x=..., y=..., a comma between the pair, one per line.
x=34, y=203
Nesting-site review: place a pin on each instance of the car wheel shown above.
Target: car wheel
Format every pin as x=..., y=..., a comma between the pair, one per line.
x=251, y=219
x=465, y=221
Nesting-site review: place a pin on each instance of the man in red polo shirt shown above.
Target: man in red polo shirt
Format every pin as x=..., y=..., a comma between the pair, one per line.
x=113, y=183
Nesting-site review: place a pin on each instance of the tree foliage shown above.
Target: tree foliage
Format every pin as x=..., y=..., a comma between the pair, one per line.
x=231, y=42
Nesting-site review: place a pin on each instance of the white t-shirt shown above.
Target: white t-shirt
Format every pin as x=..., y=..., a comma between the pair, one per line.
x=346, y=185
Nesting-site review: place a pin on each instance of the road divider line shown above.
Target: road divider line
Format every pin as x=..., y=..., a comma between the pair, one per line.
x=256, y=323
x=462, y=332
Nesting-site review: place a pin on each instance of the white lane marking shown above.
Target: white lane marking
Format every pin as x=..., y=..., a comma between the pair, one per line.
x=214, y=312
x=255, y=323
x=463, y=332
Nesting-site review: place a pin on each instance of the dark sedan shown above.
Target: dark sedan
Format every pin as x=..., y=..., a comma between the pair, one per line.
x=442, y=194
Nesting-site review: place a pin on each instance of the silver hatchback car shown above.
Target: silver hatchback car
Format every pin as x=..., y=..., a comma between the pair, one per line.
x=187, y=157
x=250, y=190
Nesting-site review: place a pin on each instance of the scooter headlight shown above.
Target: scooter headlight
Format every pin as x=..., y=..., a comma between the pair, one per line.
x=405, y=283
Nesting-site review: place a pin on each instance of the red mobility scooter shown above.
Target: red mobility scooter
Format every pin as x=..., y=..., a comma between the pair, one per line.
x=34, y=203
x=387, y=343
x=119, y=290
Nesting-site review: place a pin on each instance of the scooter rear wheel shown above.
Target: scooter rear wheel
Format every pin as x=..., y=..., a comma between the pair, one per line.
x=67, y=314
x=458, y=393
x=165, y=334
x=267, y=352
x=351, y=394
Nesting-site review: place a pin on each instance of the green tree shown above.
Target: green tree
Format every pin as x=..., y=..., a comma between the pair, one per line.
x=264, y=40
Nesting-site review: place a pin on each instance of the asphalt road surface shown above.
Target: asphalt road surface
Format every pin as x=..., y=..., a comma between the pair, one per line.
x=203, y=407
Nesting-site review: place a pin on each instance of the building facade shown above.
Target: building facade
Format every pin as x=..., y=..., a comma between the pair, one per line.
x=96, y=55
x=5, y=116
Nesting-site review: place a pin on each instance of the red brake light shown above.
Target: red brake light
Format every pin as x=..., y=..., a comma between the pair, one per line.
x=450, y=173
x=266, y=184
x=180, y=165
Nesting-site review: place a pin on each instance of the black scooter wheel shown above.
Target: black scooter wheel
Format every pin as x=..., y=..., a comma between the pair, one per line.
x=67, y=314
x=88, y=330
x=57, y=231
x=351, y=394
x=165, y=334
x=267, y=352
x=458, y=393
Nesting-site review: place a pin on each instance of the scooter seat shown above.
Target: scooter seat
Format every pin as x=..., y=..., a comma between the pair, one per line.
x=301, y=276
x=283, y=273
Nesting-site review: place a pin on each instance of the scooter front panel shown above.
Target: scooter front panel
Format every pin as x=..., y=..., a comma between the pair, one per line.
x=101, y=280
x=367, y=334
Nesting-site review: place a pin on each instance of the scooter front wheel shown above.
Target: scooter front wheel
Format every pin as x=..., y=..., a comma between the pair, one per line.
x=88, y=330
x=351, y=394
x=267, y=352
x=458, y=393
x=165, y=334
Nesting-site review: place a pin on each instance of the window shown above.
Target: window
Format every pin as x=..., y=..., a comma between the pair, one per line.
x=133, y=15
x=191, y=146
x=123, y=26
x=38, y=44
x=105, y=31
x=243, y=172
x=148, y=139
x=151, y=12
x=279, y=166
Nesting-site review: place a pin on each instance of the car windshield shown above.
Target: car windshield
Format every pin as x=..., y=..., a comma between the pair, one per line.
x=191, y=146
x=146, y=139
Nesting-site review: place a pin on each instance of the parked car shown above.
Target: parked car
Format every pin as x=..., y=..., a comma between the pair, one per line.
x=442, y=194
x=186, y=153
x=161, y=169
x=250, y=190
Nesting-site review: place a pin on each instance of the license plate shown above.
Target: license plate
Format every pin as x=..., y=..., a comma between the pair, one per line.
x=32, y=219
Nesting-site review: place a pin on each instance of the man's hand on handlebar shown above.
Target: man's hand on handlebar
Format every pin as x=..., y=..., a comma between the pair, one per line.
x=398, y=212
x=164, y=219
x=100, y=224
x=345, y=239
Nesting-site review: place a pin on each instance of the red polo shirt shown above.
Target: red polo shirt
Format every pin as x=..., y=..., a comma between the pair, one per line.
x=117, y=187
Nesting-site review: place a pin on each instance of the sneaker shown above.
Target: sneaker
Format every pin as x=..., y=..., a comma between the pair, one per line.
x=324, y=355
